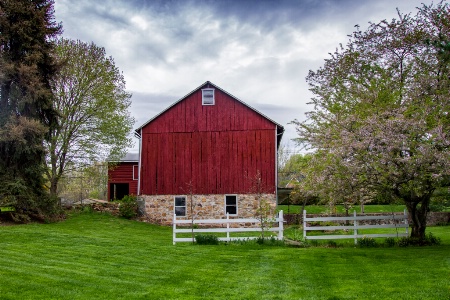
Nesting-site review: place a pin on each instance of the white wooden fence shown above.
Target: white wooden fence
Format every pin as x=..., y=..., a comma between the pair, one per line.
x=227, y=229
x=399, y=221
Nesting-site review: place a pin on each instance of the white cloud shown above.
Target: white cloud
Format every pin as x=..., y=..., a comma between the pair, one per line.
x=260, y=52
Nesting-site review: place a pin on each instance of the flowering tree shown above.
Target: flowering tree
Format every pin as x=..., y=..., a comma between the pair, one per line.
x=381, y=113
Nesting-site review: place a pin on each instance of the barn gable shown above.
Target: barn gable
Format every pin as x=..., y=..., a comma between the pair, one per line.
x=227, y=114
x=215, y=149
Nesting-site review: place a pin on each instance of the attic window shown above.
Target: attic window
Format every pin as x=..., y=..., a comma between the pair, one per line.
x=208, y=97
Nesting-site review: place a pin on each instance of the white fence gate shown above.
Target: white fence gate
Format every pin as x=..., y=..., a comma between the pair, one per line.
x=399, y=221
x=279, y=219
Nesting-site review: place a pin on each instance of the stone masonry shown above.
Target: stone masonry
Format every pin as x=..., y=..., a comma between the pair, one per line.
x=160, y=208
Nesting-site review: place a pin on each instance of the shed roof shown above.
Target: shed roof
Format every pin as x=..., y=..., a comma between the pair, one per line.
x=129, y=157
x=280, y=128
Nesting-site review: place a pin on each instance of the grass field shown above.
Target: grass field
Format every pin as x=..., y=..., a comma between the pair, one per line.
x=96, y=256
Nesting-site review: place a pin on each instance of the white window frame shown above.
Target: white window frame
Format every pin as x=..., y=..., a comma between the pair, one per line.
x=135, y=172
x=175, y=205
x=207, y=91
x=225, y=204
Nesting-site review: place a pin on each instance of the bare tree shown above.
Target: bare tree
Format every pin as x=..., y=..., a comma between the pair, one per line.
x=264, y=211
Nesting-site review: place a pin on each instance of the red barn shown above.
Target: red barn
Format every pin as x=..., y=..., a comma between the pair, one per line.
x=123, y=177
x=212, y=146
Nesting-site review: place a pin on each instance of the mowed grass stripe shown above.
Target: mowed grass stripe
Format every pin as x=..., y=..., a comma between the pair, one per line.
x=69, y=276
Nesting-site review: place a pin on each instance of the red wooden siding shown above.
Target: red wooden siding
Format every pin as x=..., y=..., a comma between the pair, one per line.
x=215, y=162
x=190, y=115
x=123, y=173
x=218, y=148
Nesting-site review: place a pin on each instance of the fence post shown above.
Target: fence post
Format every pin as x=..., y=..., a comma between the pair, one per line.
x=304, y=224
x=174, y=228
x=405, y=213
x=228, y=227
x=355, y=224
x=280, y=225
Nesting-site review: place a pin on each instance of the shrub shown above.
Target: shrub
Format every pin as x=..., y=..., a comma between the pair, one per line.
x=297, y=236
x=206, y=239
x=314, y=243
x=389, y=242
x=443, y=223
x=86, y=209
x=273, y=241
x=429, y=240
x=367, y=242
x=433, y=240
x=128, y=207
x=269, y=241
x=332, y=244
x=24, y=209
x=404, y=242
x=240, y=242
x=303, y=243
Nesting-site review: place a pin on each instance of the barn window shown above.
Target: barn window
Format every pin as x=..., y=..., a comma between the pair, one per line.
x=207, y=96
x=231, y=205
x=180, y=206
x=135, y=172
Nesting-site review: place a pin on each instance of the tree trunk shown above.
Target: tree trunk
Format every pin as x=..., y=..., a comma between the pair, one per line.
x=53, y=177
x=54, y=187
x=418, y=210
x=301, y=212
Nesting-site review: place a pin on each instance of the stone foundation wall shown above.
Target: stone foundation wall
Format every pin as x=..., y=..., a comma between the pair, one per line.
x=160, y=208
x=437, y=218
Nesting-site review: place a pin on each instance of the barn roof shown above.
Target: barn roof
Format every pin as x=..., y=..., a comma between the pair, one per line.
x=129, y=157
x=280, y=128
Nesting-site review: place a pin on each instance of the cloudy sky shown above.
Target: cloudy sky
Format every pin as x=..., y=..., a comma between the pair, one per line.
x=257, y=50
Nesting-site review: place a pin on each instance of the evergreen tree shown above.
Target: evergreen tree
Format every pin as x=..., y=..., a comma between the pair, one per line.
x=27, y=28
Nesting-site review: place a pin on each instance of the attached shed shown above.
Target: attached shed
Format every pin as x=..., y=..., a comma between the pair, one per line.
x=123, y=177
x=211, y=148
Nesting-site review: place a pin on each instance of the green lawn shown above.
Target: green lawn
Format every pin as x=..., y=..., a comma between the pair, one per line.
x=95, y=256
x=322, y=209
x=6, y=209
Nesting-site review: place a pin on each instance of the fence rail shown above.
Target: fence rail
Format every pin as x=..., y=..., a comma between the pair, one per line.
x=399, y=221
x=227, y=229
